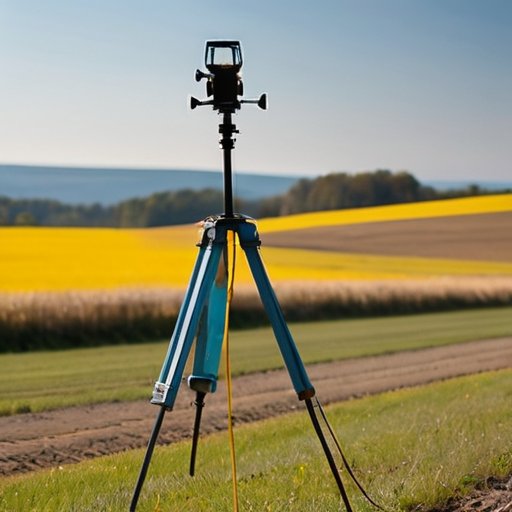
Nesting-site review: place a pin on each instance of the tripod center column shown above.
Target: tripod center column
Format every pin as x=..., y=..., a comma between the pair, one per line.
x=227, y=143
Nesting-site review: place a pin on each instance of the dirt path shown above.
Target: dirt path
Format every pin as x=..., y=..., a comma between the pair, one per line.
x=33, y=441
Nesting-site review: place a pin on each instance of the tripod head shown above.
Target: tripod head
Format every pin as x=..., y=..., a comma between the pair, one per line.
x=223, y=60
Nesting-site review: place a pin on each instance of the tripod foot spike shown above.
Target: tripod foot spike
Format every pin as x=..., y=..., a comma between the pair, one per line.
x=147, y=458
x=328, y=454
x=199, y=403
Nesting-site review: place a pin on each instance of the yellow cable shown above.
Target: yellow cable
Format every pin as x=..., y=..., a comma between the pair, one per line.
x=230, y=267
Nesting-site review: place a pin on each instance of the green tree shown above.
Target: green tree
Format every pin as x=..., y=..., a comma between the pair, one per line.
x=25, y=219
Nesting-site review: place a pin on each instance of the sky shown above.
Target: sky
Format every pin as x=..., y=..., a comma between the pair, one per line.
x=353, y=85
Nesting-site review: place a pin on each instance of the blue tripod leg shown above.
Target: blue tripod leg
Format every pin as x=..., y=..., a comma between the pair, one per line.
x=211, y=334
x=250, y=244
x=167, y=386
x=208, y=350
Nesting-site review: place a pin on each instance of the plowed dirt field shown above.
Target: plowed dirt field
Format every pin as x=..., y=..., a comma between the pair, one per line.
x=485, y=237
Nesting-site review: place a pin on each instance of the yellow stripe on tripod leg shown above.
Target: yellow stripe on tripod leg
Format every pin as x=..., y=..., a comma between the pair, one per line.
x=231, y=248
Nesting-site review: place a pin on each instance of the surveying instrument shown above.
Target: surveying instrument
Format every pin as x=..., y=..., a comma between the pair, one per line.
x=204, y=314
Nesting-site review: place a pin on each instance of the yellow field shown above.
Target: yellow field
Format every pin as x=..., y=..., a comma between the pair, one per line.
x=465, y=206
x=51, y=259
x=91, y=258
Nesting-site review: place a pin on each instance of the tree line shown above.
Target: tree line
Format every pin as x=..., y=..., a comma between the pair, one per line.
x=330, y=192
x=159, y=209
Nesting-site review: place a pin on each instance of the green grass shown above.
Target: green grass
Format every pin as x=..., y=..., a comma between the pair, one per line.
x=411, y=448
x=44, y=380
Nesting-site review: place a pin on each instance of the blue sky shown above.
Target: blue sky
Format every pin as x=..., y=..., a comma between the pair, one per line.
x=353, y=85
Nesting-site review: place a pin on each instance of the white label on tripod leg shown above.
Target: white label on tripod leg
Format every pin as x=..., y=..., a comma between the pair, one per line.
x=188, y=316
x=159, y=393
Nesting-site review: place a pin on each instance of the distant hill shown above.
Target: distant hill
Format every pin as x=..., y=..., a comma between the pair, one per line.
x=49, y=196
x=107, y=186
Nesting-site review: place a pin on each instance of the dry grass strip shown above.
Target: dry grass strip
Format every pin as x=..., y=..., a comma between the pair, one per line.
x=85, y=318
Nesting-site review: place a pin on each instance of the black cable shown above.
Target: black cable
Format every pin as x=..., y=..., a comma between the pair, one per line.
x=345, y=462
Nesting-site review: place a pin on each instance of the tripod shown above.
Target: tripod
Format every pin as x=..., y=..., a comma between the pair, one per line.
x=202, y=317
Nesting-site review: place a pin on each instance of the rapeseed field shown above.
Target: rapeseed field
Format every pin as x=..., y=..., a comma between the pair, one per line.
x=422, y=210
x=55, y=259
